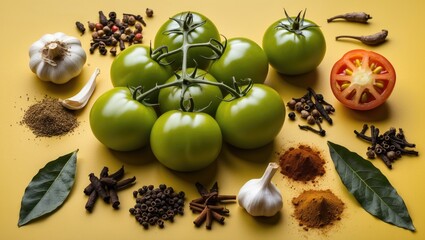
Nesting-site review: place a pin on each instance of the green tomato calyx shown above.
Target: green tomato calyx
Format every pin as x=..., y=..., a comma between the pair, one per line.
x=296, y=25
x=185, y=25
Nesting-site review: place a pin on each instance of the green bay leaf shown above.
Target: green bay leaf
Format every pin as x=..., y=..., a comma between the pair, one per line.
x=370, y=187
x=49, y=188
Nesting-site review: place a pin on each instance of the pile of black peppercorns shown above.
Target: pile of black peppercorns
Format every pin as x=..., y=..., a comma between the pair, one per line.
x=154, y=206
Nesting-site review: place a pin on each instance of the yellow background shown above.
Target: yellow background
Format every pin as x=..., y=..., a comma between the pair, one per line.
x=22, y=154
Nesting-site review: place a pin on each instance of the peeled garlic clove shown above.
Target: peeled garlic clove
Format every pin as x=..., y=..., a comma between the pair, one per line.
x=260, y=197
x=80, y=100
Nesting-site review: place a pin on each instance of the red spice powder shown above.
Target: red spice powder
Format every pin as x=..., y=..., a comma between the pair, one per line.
x=302, y=163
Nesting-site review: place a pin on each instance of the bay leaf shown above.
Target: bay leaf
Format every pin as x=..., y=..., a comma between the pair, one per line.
x=49, y=188
x=370, y=187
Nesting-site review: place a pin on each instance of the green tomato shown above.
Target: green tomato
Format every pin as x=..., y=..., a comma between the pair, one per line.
x=134, y=67
x=253, y=120
x=242, y=58
x=186, y=141
x=205, y=97
x=296, y=50
x=121, y=123
x=201, y=34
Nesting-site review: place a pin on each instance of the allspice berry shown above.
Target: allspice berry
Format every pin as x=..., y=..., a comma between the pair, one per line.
x=149, y=12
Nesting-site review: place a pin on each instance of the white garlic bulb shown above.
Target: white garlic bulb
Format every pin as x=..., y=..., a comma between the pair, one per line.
x=260, y=197
x=57, y=57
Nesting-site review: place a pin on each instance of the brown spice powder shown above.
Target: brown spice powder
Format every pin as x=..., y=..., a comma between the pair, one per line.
x=317, y=208
x=49, y=118
x=302, y=163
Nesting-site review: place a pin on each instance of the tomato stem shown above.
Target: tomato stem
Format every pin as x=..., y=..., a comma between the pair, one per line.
x=296, y=25
x=184, y=80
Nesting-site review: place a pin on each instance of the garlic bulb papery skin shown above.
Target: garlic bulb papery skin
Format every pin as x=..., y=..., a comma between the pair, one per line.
x=260, y=197
x=57, y=57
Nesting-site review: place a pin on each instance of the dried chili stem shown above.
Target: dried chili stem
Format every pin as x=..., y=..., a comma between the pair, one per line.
x=360, y=17
x=372, y=40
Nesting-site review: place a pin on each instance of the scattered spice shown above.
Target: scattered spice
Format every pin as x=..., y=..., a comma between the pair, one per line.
x=389, y=146
x=154, y=206
x=313, y=108
x=110, y=31
x=149, y=12
x=360, y=17
x=49, y=118
x=208, y=205
x=302, y=163
x=317, y=208
x=374, y=39
x=80, y=27
x=106, y=187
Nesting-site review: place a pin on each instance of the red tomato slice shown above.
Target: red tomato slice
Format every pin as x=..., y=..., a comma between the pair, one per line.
x=362, y=80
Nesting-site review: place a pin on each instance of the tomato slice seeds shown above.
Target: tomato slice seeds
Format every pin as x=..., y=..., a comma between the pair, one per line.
x=362, y=79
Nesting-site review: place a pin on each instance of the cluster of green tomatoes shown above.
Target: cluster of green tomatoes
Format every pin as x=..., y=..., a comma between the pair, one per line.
x=188, y=94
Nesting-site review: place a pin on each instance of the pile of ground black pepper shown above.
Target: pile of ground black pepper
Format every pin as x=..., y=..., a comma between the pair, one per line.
x=49, y=118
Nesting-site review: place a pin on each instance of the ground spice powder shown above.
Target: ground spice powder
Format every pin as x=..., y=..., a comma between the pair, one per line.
x=317, y=208
x=49, y=118
x=301, y=163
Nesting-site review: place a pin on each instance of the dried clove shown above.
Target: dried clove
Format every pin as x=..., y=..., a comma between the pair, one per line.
x=319, y=105
x=93, y=47
x=360, y=17
x=102, y=18
x=389, y=146
x=374, y=39
x=102, y=49
x=113, y=51
x=80, y=27
x=320, y=132
x=313, y=108
x=121, y=45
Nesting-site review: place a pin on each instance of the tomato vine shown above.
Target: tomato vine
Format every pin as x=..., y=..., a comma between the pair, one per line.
x=184, y=79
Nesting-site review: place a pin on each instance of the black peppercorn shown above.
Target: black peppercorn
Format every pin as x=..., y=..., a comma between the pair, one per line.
x=291, y=115
x=160, y=204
